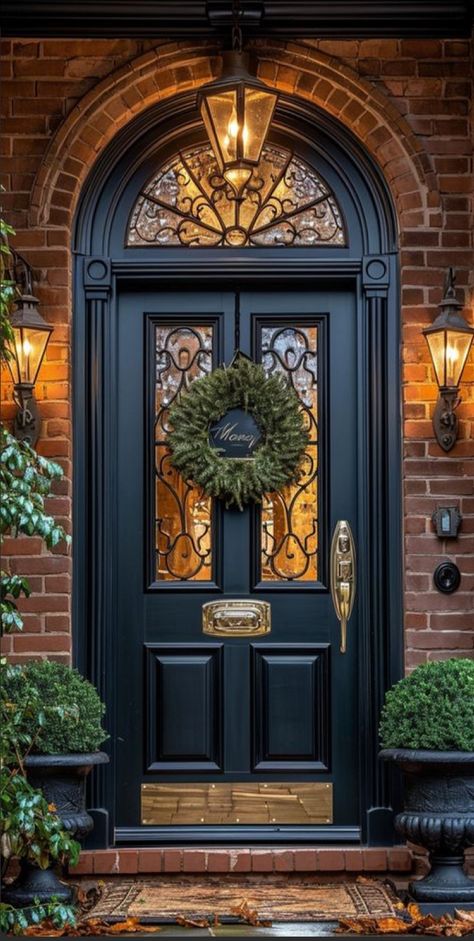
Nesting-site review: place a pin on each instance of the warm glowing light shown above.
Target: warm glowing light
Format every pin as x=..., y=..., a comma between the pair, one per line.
x=27, y=347
x=452, y=356
x=233, y=129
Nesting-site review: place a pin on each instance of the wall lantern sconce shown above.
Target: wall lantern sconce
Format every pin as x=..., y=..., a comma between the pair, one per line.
x=237, y=110
x=449, y=339
x=31, y=335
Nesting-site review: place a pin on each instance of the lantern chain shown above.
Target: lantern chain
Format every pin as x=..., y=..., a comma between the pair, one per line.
x=236, y=27
x=450, y=284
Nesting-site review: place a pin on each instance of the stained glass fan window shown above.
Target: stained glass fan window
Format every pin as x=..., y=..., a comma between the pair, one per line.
x=286, y=202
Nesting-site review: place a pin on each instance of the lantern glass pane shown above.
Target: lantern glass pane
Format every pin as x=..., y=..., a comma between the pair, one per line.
x=457, y=349
x=436, y=343
x=259, y=107
x=222, y=114
x=28, y=351
x=211, y=134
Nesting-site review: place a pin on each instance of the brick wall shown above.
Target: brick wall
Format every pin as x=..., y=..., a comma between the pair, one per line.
x=410, y=103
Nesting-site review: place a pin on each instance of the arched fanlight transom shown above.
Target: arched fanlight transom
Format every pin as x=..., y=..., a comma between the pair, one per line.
x=285, y=202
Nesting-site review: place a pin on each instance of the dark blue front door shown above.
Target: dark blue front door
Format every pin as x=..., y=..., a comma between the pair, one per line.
x=195, y=710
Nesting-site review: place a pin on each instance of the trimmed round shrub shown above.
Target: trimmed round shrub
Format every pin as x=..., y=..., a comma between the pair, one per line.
x=56, y=707
x=432, y=708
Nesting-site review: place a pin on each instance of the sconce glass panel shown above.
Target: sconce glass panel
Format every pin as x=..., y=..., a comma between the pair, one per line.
x=27, y=354
x=449, y=350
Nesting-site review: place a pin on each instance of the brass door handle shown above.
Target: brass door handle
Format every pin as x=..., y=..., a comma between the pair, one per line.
x=241, y=617
x=343, y=576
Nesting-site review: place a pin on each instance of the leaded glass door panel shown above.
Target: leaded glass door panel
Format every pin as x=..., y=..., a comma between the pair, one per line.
x=235, y=731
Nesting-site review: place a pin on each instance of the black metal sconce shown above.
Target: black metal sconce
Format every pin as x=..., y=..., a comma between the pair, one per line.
x=449, y=340
x=237, y=110
x=31, y=335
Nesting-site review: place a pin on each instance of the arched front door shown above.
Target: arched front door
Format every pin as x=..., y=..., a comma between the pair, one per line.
x=236, y=712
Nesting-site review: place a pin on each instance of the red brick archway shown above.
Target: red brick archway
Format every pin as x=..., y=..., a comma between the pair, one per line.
x=175, y=68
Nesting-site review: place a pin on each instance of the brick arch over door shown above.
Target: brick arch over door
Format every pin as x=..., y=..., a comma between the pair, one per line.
x=171, y=69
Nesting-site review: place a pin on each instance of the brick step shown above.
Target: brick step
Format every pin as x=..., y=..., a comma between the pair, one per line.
x=301, y=859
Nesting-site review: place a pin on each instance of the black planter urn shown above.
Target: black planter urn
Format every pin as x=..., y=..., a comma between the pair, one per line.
x=34, y=883
x=438, y=814
x=62, y=780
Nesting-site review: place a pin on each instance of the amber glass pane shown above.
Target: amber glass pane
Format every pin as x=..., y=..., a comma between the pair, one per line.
x=223, y=115
x=183, y=514
x=289, y=518
x=259, y=108
x=27, y=351
x=457, y=349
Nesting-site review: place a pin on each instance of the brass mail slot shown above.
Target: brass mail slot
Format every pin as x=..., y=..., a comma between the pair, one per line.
x=239, y=618
x=237, y=803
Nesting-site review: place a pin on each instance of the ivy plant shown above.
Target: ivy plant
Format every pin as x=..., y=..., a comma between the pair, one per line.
x=16, y=921
x=29, y=827
x=8, y=291
x=25, y=476
x=11, y=587
x=25, y=482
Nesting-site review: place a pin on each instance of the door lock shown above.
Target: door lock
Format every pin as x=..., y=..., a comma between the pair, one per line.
x=343, y=576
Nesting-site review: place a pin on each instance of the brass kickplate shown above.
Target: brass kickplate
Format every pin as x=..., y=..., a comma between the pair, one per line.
x=166, y=804
x=236, y=618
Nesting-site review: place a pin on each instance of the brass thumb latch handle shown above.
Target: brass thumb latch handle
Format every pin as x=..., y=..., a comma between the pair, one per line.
x=343, y=576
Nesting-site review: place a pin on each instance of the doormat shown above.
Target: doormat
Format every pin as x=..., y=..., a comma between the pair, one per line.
x=170, y=899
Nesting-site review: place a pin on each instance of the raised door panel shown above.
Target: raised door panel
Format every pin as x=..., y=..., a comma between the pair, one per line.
x=184, y=708
x=291, y=726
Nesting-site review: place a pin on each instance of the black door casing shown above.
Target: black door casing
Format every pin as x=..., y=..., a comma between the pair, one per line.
x=368, y=270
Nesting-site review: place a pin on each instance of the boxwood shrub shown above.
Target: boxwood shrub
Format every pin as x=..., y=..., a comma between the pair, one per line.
x=432, y=708
x=56, y=706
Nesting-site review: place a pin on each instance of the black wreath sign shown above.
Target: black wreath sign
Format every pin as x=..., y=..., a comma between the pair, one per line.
x=278, y=447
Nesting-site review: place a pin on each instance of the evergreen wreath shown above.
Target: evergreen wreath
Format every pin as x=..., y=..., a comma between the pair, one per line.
x=276, y=409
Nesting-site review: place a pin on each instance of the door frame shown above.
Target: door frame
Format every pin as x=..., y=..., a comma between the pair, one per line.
x=374, y=279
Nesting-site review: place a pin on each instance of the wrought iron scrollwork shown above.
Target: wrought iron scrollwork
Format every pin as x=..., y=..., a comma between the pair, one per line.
x=189, y=203
x=183, y=513
x=289, y=518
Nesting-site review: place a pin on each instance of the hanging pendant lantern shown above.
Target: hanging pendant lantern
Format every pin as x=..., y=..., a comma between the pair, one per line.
x=237, y=110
